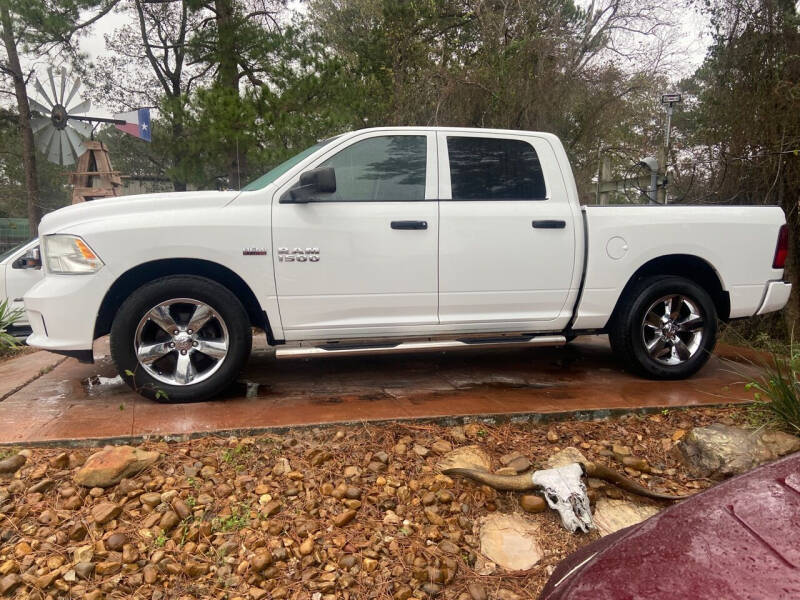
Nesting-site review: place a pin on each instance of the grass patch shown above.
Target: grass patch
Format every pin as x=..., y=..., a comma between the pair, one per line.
x=777, y=390
x=238, y=519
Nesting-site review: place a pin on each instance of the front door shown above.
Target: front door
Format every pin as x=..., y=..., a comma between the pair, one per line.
x=362, y=260
x=19, y=281
x=507, y=233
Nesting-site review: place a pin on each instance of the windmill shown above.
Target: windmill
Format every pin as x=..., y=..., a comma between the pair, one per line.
x=60, y=131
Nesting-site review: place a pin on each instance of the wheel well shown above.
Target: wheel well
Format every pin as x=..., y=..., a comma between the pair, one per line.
x=684, y=265
x=134, y=278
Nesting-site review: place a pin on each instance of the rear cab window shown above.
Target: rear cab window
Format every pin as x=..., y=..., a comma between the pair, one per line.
x=493, y=168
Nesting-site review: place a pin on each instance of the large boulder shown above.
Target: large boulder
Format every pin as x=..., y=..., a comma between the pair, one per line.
x=719, y=451
x=510, y=541
x=565, y=457
x=466, y=457
x=113, y=464
x=612, y=515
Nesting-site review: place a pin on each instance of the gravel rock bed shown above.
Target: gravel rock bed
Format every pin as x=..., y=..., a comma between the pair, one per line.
x=357, y=512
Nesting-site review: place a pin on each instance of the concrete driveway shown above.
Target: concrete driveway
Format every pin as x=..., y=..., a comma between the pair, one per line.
x=88, y=403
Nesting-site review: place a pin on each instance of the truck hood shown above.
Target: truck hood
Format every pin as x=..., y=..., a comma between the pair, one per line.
x=121, y=206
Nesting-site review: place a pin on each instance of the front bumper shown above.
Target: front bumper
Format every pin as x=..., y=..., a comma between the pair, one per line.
x=776, y=297
x=62, y=310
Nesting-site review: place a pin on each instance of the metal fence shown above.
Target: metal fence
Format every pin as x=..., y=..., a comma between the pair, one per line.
x=13, y=232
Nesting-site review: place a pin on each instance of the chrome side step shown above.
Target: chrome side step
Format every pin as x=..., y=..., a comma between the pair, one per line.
x=346, y=349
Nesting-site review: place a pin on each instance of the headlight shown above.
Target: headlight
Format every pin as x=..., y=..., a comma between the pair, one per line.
x=69, y=254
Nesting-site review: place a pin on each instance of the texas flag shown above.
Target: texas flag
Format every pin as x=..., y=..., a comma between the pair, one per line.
x=137, y=123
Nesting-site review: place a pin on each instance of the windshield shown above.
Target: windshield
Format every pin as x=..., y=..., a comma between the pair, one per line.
x=8, y=253
x=272, y=175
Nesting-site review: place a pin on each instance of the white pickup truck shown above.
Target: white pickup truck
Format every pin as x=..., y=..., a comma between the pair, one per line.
x=397, y=239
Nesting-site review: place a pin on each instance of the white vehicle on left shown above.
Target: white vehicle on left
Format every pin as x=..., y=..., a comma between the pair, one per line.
x=16, y=278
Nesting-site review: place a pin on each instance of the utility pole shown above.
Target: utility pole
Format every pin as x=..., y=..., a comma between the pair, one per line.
x=668, y=100
x=604, y=177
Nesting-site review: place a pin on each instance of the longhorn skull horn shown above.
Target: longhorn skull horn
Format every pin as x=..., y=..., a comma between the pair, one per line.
x=524, y=481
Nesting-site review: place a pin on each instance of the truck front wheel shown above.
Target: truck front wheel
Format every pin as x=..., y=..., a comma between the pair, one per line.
x=180, y=339
x=664, y=328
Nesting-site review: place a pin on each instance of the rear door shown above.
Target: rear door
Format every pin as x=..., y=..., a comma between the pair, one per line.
x=507, y=232
x=362, y=261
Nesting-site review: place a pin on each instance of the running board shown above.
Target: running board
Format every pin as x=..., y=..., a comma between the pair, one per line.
x=420, y=346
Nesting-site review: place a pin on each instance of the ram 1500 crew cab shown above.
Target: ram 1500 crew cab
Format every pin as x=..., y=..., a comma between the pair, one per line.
x=397, y=239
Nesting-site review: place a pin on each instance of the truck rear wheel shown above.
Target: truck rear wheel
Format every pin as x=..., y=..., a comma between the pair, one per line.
x=180, y=339
x=664, y=327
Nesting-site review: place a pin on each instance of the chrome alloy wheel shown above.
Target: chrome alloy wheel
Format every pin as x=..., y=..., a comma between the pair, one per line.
x=672, y=329
x=181, y=341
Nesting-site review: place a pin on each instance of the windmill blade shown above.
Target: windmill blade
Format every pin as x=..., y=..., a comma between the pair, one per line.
x=81, y=108
x=67, y=151
x=63, y=87
x=76, y=143
x=85, y=129
x=72, y=92
x=39, y=123
x=38, y=85
x=54, y=152
x=44, y=140
x=52, y=84
x=38, y=107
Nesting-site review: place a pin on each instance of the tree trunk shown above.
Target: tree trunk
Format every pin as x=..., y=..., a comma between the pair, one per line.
x=24, y=110
x=228, y=80
x=177, y=134
x=789, y=199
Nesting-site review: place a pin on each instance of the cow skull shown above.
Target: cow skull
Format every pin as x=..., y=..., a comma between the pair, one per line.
x=562, y=487
x=565, y=492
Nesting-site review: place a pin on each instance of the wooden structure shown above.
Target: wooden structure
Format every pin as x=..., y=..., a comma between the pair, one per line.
x=93, y=176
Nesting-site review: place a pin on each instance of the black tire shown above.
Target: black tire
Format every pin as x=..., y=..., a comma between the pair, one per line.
x=230, y=316
x=629, y=335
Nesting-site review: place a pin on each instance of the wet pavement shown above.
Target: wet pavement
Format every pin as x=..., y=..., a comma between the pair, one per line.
x=90, y=403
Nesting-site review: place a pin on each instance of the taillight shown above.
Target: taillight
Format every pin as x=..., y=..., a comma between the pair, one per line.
x=782, y=249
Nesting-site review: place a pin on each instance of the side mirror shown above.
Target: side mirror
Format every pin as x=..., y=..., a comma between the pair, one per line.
x=32, y=259
x=316, y=181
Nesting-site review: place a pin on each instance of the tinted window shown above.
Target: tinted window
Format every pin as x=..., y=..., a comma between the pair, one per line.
x=381, y=168
x=494, y=169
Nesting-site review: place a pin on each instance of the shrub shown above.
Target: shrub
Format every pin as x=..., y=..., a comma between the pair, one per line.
x=779, y=384
x=7, y=318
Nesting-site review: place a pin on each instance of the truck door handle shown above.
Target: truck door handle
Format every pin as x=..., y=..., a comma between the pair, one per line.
x=549, y=224
x=409, y=224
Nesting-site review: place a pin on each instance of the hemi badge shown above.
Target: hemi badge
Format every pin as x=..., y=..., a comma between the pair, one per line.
x=254, y=252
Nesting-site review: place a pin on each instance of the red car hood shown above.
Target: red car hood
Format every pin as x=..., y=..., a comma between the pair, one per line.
x=739, y=539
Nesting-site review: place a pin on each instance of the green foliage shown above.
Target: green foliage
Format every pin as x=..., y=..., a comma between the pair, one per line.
x=778, y=387
x=45, y=22
x=7, y=318
x=543, y=65
x=741, y=118
x=52, y=178
x=238, y=519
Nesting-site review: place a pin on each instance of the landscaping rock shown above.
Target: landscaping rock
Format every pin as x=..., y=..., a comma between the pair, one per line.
x=531, y=503
x=9, y=583
x=104, y=512
x=565, y=457
x=466, y=457
x=112, y=464
x=613, y=515
x=116, y=541
x=720, y=451
x=510, y=541
x=12, y=464
x=520, y=464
